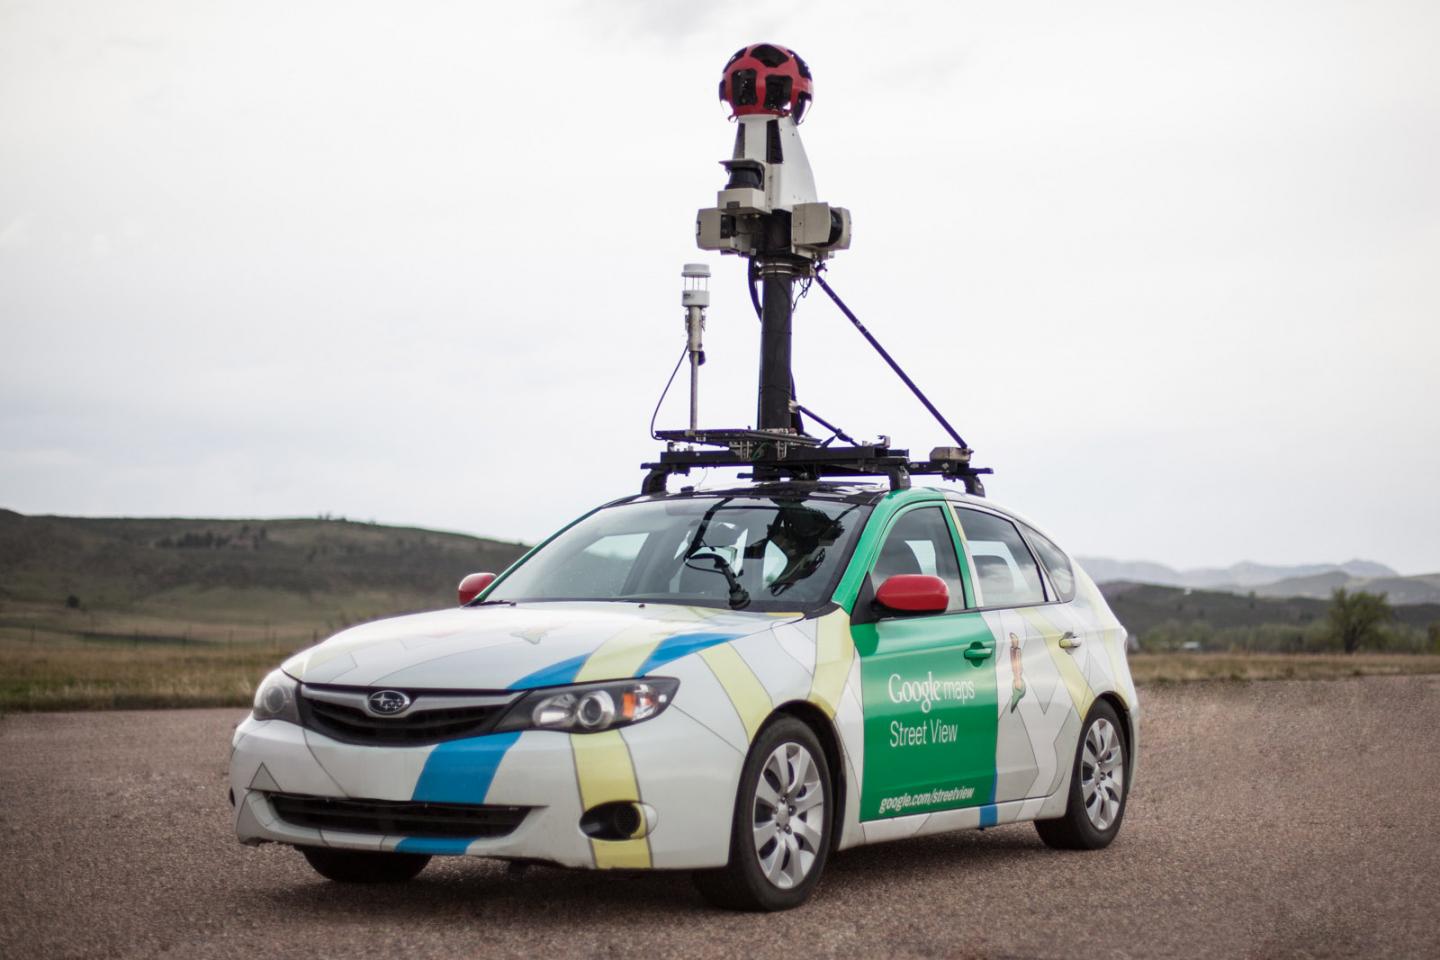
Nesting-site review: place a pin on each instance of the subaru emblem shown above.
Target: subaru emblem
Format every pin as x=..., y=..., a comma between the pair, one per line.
x=388, y=703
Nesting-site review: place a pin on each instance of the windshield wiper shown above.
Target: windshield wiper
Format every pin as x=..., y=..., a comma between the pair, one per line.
x=739, y=596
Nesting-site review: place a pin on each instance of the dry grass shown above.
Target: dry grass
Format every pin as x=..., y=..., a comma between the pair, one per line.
x=208, y=654
x=60, y=672
x=1184, y=667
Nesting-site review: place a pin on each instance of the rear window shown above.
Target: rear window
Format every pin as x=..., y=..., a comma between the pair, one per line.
x=1005, y=571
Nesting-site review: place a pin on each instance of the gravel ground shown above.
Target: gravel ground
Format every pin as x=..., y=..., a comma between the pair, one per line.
x=1268, y=820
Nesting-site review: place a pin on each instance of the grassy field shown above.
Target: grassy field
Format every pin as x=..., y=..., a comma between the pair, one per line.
x=60, y=672
x=53, y=671
x=1148, y=668
x=53, y=658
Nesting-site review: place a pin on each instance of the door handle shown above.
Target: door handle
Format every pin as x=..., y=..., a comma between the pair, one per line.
x=1069, y=641
x=979, y=651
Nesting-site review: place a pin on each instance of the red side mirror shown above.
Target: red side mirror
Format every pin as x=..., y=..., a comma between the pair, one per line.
x=914, y=593
x=471, y=586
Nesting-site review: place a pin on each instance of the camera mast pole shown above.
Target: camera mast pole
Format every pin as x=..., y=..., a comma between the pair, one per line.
x=777, y=275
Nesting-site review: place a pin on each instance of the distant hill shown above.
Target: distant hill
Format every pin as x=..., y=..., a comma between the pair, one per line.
x=1142, y=607
x=1104, y=570
x=1298, y=580
x=1400, y=590
x=1246, y=574
x=310, y=575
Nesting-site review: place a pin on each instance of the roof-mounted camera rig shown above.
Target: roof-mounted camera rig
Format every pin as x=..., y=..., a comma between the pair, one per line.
x=768, y=212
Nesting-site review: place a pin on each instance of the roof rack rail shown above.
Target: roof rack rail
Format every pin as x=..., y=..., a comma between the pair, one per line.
x=782, y=454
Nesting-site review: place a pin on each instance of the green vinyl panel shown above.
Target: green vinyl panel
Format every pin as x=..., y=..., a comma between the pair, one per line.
x=930, y=714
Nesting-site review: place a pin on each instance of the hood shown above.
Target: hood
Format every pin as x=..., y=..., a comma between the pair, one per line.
x=502, y=647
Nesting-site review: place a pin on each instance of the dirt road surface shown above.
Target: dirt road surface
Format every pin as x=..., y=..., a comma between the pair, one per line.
x=1268, y=820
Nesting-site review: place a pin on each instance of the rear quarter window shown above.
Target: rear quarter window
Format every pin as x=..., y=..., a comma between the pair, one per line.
x=1056, y=564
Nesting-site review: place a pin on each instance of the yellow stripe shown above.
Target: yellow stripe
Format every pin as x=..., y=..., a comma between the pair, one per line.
x=834, y=653
x=606, y=773
x=1080, y=693
x=1109, y=639
x=744, y=689
x=622, y=854
x=621, y=655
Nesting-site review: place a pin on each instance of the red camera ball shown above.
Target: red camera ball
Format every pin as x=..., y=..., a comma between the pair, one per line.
x=767, y=78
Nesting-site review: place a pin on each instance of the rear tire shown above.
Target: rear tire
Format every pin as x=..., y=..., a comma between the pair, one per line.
x=784, y=818
x=1098, y=787
x=364, y=866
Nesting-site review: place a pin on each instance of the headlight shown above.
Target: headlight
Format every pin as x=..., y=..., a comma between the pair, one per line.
x=591, y=707
x=275, y=698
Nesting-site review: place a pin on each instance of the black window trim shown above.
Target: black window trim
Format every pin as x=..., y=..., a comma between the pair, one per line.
x=1052, y=597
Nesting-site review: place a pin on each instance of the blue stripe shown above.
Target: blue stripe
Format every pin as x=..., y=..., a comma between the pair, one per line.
x=990, y=814
x=553, y=675
x=681, y=645
x=439, y=846
x=460, y=771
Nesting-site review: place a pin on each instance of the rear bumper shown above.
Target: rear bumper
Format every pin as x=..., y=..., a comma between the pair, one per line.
x=682, y=774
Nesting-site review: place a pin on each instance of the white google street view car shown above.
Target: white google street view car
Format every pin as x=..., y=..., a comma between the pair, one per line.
x=732, y=683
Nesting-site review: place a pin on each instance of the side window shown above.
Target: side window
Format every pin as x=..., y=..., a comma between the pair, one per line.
x=1062, y=578
x=1005, y=572
x=920, y=542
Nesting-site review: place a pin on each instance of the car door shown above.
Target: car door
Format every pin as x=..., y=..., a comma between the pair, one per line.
x=1036, y=721
x=928, y=681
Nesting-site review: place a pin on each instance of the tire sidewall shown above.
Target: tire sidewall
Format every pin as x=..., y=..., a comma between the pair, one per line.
x=1095, y=839
x=742, y=847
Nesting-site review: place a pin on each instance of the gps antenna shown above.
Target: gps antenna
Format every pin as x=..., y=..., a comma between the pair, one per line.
x=695, y=298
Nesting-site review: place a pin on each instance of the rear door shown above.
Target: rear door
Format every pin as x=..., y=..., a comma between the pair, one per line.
x=928, y=681
x=1036, y=719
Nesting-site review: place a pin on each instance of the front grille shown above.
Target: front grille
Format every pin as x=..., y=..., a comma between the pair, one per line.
x=435, y=716
x=397, y=817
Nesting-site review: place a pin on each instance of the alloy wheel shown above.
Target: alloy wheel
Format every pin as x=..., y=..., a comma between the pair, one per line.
x=789, y=815
x=1102, y=774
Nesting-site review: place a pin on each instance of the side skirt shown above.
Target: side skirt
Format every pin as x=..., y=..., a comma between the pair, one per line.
x=967, y=818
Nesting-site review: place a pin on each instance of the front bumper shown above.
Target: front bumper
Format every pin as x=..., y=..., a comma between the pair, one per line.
x=683, y=775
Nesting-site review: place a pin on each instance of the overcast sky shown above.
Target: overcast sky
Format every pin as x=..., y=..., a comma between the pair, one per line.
x=1172, y=269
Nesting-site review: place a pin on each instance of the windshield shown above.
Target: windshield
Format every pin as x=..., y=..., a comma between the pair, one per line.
x=741, y=552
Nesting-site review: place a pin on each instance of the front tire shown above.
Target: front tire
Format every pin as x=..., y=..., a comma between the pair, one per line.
x=364, y=866
x=780, y=834
x=1098, y=787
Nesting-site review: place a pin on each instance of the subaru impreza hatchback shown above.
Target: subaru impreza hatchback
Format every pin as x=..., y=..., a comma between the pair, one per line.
x=732, y=683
